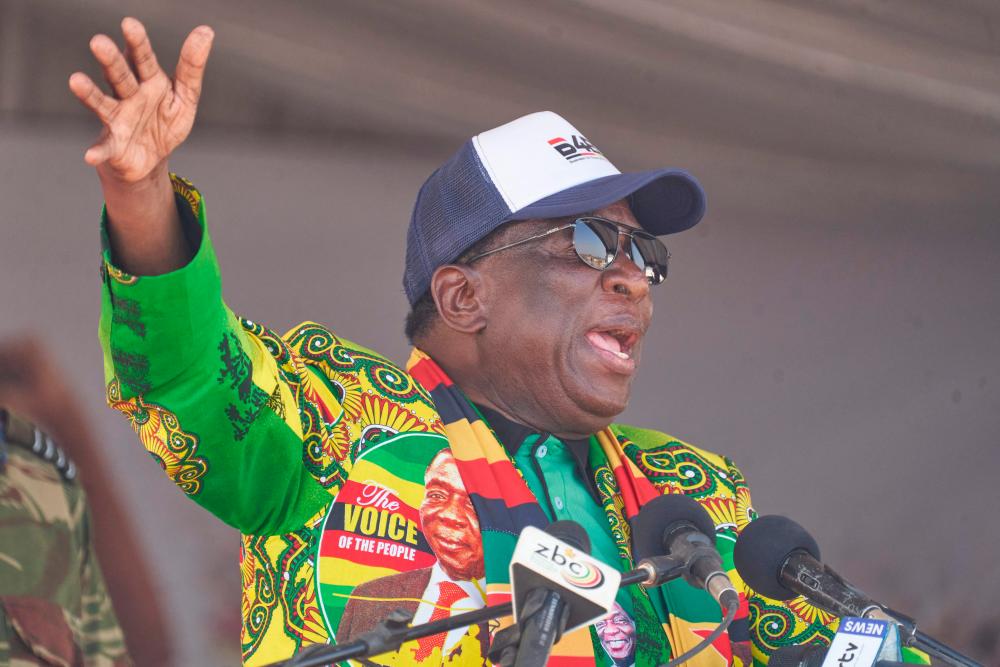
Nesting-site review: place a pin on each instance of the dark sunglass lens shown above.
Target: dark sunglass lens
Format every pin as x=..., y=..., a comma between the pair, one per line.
x=595, y=243
x=640, y=260
x=649, y=253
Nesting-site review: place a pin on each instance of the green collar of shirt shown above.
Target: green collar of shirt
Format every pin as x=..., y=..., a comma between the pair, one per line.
x=512, y=435
x=558, y=473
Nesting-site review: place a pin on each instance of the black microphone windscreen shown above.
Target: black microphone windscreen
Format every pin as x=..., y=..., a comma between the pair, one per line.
x=763, y=548
x=799, y=655
x=657, y=517
x=571, y=533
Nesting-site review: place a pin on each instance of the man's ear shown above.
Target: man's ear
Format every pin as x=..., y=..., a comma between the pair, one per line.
x=458, y=293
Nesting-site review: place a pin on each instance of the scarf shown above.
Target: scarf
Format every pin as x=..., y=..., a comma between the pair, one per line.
x=669, y=619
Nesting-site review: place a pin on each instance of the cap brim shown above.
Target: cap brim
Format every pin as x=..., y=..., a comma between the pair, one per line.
x=664, y=201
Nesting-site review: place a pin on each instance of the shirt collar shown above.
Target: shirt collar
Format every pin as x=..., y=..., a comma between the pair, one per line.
x=512, y=435
x=473, y=589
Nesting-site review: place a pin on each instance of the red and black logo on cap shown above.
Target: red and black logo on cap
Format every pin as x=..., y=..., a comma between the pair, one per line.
x=575, y=148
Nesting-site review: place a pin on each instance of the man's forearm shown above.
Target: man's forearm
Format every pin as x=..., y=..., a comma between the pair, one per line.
x=144, y=228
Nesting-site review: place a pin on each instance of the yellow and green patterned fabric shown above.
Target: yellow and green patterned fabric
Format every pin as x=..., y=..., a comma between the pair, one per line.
x=318, y=450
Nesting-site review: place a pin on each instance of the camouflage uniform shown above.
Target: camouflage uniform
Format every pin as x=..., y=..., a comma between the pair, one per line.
x=54, y=608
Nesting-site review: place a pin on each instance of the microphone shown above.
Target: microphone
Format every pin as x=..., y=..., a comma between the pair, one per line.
x=679, y=528
x=811, y=655
x=556, y=587
x=799, y=655
x=780, y=559
x=814, y=656
x=395, y=630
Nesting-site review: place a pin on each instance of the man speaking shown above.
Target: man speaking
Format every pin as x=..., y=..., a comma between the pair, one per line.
x=530, y=266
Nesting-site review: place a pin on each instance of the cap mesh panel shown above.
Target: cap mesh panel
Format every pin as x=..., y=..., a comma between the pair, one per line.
x=457, y=206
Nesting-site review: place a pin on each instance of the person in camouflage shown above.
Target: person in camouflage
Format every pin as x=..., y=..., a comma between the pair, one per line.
x=54, y=607
x=60, y=517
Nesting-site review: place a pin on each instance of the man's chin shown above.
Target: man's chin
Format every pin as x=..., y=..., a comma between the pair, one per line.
x=604, y=401
x=459, y=571
x=623, y=657
x=613, y=388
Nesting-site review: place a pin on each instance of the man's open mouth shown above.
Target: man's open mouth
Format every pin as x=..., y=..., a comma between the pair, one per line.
x=618, y=648
x=618, y=342
x=452, y=545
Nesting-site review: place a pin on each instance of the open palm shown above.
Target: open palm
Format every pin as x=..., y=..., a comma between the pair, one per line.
x=149, y=114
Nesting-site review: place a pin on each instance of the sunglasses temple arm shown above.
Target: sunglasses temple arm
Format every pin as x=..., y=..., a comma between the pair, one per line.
x=517, y=243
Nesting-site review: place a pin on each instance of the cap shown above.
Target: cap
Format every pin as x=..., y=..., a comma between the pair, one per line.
x=538, y=166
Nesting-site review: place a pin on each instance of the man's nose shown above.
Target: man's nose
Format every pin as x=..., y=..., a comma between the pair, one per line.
x=454, y=512
x=624, y=276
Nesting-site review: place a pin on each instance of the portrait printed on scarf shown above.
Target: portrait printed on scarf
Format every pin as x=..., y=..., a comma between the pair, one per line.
x=616, y=632
x=402, y=534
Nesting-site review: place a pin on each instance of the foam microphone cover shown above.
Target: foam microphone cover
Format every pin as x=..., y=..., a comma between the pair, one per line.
x=799, y=655
x=763, y=548
x=659, y=516
x=571, y=533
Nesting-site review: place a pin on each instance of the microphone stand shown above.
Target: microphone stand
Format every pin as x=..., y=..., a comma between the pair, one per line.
x=395, y=630
x=508, y=649
x=911, y=637
x=391, y=633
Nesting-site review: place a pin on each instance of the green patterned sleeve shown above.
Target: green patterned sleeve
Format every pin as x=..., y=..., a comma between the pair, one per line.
x=214, y=399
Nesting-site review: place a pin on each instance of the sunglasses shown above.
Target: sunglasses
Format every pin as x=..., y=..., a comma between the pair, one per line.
x=595, y=241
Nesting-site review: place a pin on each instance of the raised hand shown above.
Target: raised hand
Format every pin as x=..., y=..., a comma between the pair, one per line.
x=149, y=114
x=145, y=119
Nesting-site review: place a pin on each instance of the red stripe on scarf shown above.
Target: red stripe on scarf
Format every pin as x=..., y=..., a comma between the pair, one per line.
x=636, y=491
x=496, y=481
x=429, y=374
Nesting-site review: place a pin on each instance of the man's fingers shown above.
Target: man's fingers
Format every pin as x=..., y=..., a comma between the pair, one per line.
x=90, y=95
x=140, y=50
x=191, y=65
x=116, y=70
x=99, y=153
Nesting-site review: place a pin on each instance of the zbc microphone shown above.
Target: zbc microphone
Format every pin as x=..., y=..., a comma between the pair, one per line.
x=556, y=587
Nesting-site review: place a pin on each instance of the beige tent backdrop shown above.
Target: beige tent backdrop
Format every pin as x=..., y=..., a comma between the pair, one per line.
x=833, y=324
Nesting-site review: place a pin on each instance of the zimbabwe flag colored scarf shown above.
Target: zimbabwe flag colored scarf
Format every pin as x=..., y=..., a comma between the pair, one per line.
x=669, y=620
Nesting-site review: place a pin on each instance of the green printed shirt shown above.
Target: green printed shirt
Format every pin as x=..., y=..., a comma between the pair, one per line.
x=264, y=431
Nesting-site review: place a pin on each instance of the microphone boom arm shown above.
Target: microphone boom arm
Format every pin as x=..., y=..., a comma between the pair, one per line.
x=395, y=630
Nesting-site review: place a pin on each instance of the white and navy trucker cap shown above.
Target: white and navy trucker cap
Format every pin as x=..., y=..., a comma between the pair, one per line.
x=538, y=166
